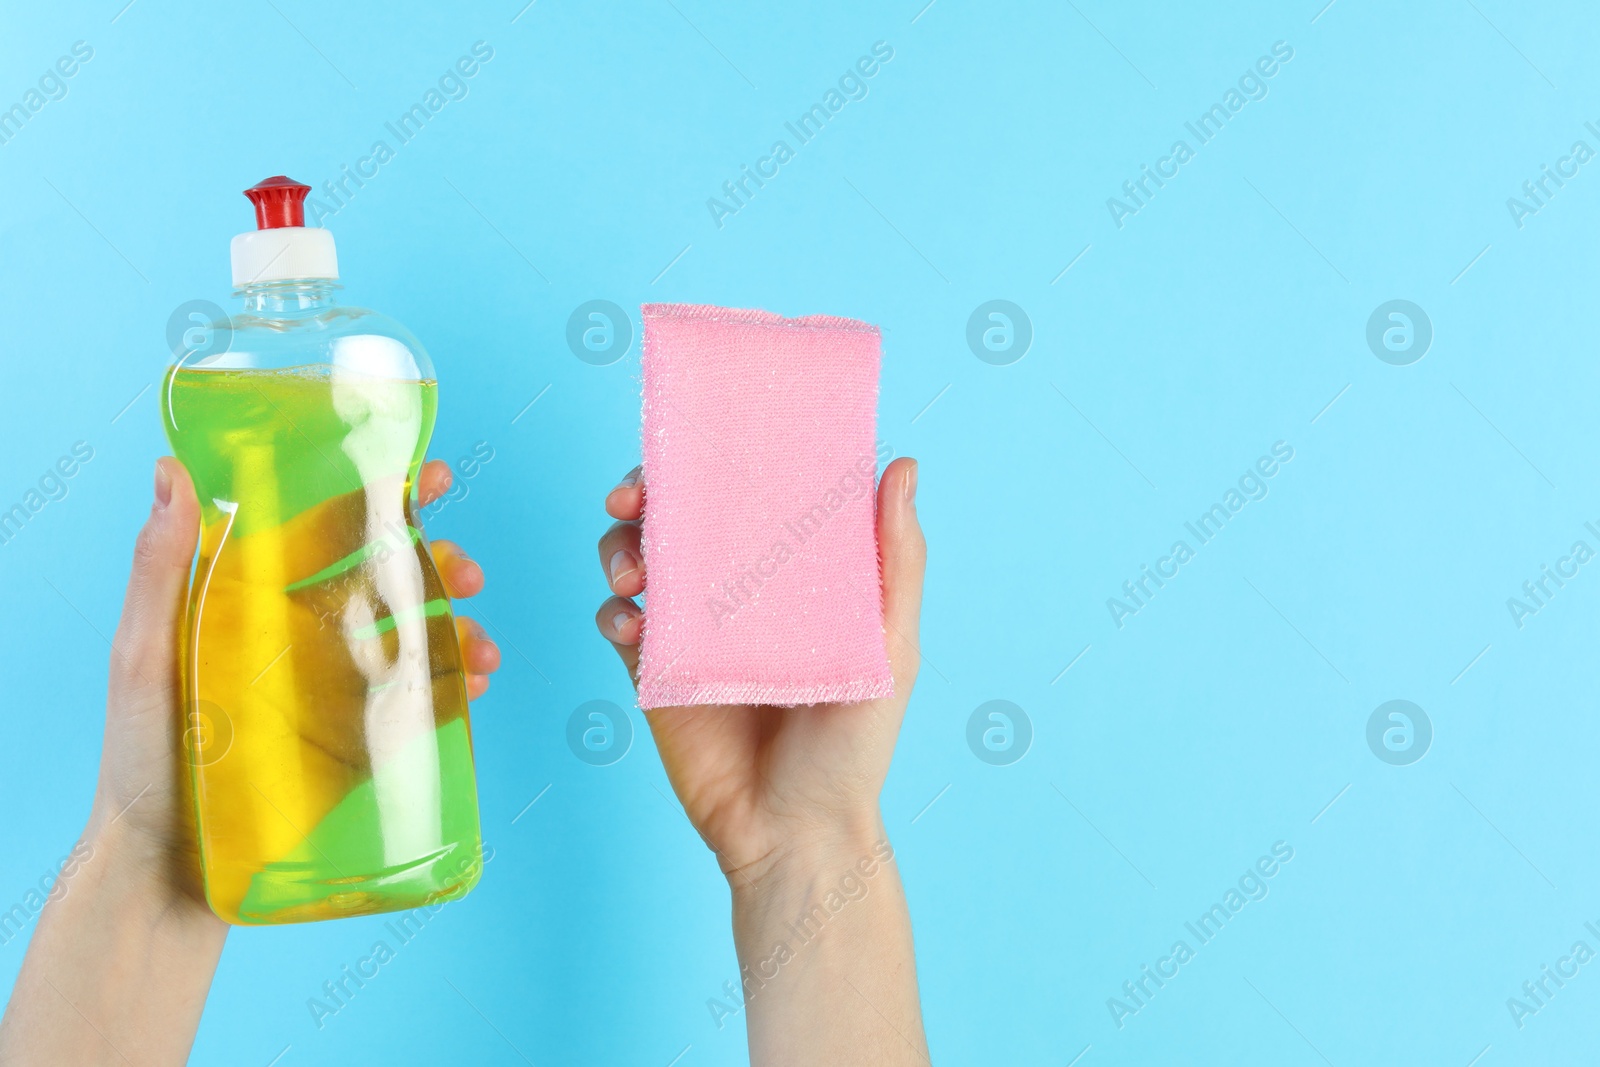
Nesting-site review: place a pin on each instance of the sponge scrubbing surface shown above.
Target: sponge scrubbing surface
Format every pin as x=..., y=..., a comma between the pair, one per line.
x=759, y=532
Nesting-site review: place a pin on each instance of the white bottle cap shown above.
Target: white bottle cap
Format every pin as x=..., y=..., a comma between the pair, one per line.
x=282, y=247
x=283, y=253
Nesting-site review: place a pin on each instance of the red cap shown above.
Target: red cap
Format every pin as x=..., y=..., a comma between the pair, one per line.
x=279, y=202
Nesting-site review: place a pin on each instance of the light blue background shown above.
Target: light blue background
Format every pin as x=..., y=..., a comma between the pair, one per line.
x=1223, y=317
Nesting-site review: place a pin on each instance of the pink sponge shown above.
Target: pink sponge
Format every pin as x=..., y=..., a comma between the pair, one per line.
x=760, y=534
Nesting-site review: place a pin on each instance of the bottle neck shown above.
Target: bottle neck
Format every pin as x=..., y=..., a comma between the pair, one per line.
x=306, y=294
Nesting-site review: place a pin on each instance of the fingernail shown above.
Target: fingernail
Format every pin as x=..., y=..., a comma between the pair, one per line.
x=163, y=484
x=629, y=480
x=621, y=565
x=618, y=621
x=911, y=483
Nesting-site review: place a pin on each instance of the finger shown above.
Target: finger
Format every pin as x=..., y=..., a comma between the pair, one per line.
x=479, y=653
x=903, y=553
x=462, y=575
x=433, y=481
x=622, y=559
x=620, y=622
x=477, y=685
x=145, y=651
x=626, y=501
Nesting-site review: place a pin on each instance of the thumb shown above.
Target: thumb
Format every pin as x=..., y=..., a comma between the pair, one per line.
x=903, y=555
x=145, y=650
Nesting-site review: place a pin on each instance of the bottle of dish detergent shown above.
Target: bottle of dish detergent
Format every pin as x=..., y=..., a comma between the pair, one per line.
x=325, y=703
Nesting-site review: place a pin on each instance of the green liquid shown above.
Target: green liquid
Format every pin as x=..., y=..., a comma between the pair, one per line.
x=331, y=751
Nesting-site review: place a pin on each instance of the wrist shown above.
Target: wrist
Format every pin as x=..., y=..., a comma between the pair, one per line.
x=807, y=861
x=824, y=913
x=118, y=941
x=134, y=891
x=147, y=880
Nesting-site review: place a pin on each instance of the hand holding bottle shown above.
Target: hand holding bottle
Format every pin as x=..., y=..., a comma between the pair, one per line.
x=127, y=940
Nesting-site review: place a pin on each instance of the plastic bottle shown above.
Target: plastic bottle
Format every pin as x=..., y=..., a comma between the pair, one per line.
x=324, y=698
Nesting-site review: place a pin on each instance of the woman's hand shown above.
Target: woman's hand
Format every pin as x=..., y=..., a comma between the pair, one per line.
x=120, y=964
x=788, y=800
x=762, y=782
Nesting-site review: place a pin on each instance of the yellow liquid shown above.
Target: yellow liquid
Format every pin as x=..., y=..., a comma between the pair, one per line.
x=326, y=706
